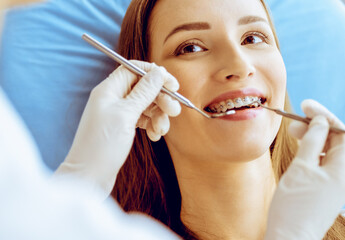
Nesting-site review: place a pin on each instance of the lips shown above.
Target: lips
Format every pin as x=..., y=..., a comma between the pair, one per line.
x=238, y=99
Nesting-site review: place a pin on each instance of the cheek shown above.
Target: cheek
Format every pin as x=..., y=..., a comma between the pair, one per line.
x=275, y=72
x=191, y=77
x=280, y=76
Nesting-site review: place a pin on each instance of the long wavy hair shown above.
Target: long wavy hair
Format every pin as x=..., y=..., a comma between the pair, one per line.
x=147, y=181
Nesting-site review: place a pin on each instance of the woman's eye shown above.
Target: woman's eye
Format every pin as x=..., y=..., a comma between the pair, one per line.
x=191, y=48
x=188, y=48
x=253, y=39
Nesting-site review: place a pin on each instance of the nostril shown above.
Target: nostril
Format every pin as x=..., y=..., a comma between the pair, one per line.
x=229, y=77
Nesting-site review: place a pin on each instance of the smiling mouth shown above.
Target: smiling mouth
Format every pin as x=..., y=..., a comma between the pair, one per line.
x=240, y=103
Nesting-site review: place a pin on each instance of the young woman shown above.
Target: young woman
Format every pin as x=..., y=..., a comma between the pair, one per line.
x=207, y=179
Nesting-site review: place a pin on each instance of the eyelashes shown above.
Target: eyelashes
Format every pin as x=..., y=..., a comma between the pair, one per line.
x=253, y=35
x=195, y=46
x=188, y=47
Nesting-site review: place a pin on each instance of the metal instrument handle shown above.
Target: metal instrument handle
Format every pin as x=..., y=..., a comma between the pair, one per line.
x=123, y=61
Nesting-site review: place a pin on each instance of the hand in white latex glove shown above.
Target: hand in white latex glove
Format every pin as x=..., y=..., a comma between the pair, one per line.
x=311, y=193
x=106, y=131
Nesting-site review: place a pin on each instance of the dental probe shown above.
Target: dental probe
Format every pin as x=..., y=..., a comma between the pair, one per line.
x=297, y=117
x=118, y=58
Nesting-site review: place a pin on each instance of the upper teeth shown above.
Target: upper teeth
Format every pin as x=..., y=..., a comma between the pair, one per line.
x=223, y=106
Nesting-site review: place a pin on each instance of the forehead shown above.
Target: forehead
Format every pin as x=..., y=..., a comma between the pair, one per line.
x=170, y=13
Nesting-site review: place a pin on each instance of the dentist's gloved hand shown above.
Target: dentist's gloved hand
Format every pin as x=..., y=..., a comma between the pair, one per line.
x=311, y=193
x=116, y=107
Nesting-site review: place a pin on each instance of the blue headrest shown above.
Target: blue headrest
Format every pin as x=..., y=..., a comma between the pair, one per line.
x=311, y=34
x=47, y=70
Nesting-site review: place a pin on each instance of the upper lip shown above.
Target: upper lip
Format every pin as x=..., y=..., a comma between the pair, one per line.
x=239, y=93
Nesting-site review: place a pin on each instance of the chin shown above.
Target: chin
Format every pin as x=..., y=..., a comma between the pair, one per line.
x=244, y=153
x=244, y=144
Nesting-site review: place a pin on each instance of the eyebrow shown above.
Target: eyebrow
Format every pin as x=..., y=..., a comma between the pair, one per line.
x=250, y=19
x=189, y=27
x=205, y=26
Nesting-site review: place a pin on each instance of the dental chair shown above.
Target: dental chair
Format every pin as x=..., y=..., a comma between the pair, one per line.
x=48, y=71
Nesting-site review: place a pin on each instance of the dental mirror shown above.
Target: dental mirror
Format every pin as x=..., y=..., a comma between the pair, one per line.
x=296, y=117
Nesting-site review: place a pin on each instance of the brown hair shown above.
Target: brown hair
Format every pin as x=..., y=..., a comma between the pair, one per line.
x=147, y=181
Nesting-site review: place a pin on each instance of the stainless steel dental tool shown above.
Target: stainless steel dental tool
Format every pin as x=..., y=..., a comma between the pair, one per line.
x=121, y=60
x=296, y=117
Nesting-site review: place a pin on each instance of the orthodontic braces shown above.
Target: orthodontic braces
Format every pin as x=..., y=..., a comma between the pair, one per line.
x=247, y=101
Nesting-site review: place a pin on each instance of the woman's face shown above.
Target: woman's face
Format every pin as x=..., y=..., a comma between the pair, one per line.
x=221, y=52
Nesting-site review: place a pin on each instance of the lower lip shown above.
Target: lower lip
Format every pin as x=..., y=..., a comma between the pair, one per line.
x=245, y=114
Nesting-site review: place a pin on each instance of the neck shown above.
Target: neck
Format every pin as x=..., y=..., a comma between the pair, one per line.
x=227, y=200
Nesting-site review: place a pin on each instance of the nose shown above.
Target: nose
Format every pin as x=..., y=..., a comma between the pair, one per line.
x=234, y=64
